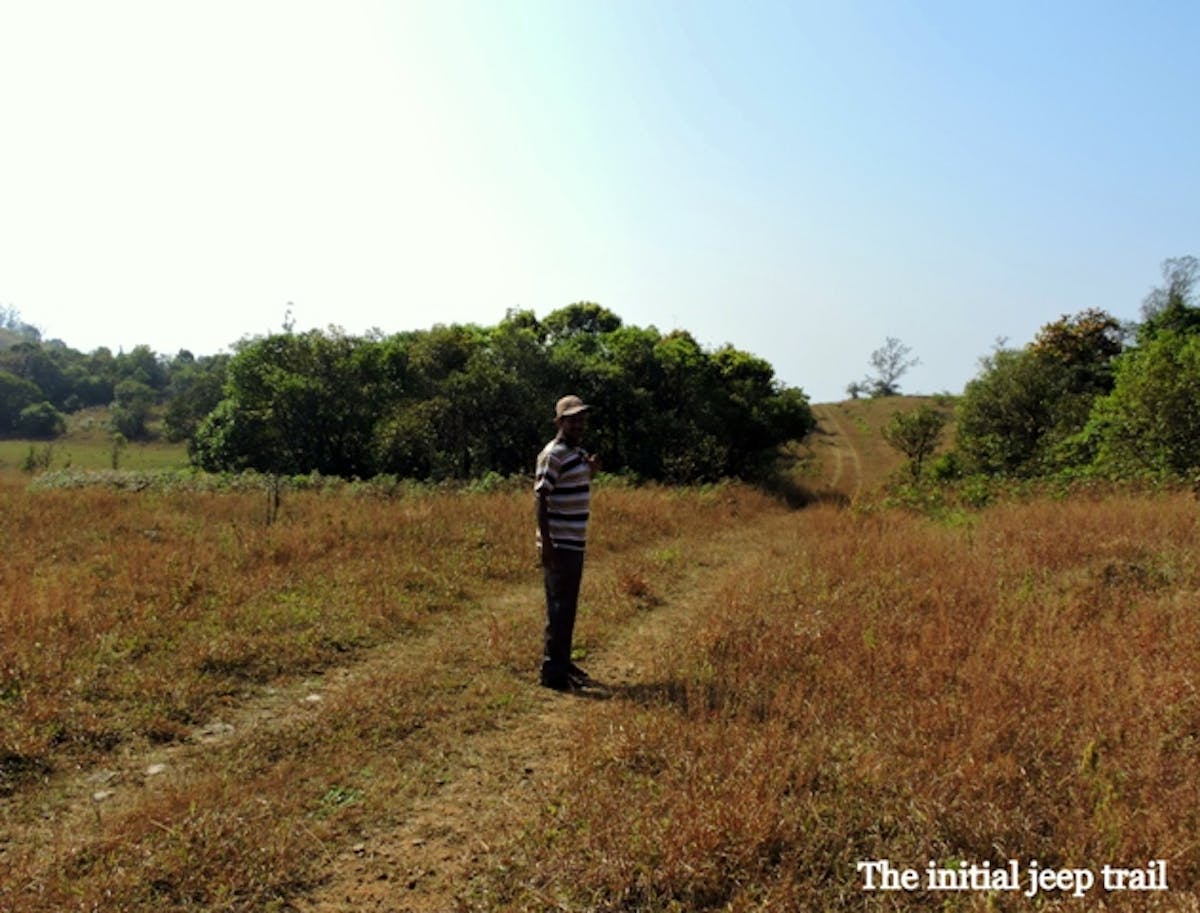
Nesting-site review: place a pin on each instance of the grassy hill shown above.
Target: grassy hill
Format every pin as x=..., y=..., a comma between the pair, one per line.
x=847, y=456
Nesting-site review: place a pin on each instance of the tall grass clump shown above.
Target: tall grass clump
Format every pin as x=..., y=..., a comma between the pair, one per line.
x=878, y=686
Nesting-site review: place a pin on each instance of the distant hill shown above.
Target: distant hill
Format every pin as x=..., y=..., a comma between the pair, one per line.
x=847, y=456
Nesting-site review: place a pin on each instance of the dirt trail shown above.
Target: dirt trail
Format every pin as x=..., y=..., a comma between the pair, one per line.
x=491, y=781
x=498, y=779
x=842, y=448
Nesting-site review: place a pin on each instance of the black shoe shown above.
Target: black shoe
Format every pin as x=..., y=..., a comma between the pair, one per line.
x=578, y=677
x=558, y=684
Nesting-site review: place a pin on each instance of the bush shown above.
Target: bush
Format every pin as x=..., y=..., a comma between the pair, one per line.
x=40, y=421
x=16, y=394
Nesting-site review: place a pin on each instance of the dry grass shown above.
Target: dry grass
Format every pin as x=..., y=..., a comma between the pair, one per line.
x=131, y=616
x=839, y=686
x=133, y=620
x=847, y=457
x=1022, y=687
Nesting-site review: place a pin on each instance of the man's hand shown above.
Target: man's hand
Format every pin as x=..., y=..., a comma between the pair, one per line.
x=594, y=465
x=548, y=556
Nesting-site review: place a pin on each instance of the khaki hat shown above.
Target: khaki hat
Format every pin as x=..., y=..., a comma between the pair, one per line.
x=569, y=405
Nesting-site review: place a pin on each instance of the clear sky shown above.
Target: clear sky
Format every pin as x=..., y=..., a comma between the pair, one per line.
x=801, y=180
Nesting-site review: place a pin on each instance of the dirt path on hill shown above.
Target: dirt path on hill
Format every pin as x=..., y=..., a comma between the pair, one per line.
x=843, y=450
x=491, y=781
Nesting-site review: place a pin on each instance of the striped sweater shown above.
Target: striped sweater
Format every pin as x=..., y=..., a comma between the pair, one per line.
x=564, y=478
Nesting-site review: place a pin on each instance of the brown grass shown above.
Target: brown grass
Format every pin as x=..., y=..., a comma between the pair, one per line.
x=876, y=686
x=847, y=457
x=134, y=622
x=829, y=686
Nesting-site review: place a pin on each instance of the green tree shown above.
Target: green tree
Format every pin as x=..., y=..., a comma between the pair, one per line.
x=40, y=366
x=141, y=364
x=293, y=403
x=1172, y=305
x=41, y=420
x=1087, y=342
x=582, y=318
x=193, y=391
x=916, y=434
x=460, y=401
x=16, y=394
x=133, y=402
x=1008, y=418
x=1027, y=412
x=1150, y=423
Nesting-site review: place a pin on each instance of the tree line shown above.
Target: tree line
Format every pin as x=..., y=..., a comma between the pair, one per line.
x=461, y=401
x=1088, y=396
x=43, y=381
x=451, y=402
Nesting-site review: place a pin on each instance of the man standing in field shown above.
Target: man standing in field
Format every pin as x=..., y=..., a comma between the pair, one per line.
x=562, y=490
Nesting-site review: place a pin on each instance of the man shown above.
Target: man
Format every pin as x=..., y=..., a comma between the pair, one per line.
x=562, y=490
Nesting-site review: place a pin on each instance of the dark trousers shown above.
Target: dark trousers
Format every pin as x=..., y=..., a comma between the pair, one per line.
x=562, y=599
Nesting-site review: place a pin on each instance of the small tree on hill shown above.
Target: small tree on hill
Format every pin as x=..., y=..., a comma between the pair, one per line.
x=916, y=434
x=1172, y=307
x=890, y=361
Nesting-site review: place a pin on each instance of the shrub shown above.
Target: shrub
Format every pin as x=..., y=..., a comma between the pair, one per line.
x=41, y=420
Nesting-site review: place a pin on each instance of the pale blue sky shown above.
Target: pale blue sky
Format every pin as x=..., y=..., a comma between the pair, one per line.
x=802, y=180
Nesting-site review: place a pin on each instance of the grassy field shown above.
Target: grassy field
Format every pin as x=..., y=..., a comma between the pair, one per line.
x=87, y=445
x=877, y=687
x=338, y=711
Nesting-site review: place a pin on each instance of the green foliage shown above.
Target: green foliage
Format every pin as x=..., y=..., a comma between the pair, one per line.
x=16, y=394
x=11, y=323
x=1024, y=414
x=584, y=318
x=1171, y=307
x=133, y=401
x=1087, y=343
x=41, y=366
x=947, y=467
x=1150, y=423
x=459, y=402
x=293, y=403
x=194, y=389
x=41, y=420
x=38, y=459
x=1076, y=403
x=1007, y=414
x=916, y=434
x=119, y=443
x=69, y=380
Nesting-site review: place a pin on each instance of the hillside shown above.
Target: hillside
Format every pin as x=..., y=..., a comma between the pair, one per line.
x=846, y=456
